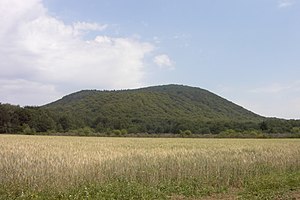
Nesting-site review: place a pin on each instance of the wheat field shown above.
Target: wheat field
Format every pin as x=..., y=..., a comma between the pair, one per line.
x=38, y=164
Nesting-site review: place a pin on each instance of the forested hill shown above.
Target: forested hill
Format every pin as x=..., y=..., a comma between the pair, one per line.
x=158, y=102
x=168, y=108
x=158, y=109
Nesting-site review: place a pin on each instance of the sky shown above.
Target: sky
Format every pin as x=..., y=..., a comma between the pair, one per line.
x=245, y=51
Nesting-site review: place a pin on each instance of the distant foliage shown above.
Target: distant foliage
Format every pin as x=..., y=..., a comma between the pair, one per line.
x=185, y=133
x=163, y=109
x=295, y=130
x=27, y=130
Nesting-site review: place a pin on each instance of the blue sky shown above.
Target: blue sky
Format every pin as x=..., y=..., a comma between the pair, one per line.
x=245, y=51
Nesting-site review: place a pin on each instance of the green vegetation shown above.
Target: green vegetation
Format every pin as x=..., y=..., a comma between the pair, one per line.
x=47, y=167
x=154, y=110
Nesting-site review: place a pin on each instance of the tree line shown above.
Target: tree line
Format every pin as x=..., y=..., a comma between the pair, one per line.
x=37, y=120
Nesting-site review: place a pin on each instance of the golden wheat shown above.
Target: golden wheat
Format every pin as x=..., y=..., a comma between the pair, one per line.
x=39, y=162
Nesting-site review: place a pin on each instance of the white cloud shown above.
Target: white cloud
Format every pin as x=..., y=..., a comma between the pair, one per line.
x=285, y=3
x=24, y=92
x=48, y=55
x=84, y=26
x=164, y=61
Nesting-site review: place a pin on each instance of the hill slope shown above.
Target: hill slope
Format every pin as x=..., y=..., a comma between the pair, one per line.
x=146, y=108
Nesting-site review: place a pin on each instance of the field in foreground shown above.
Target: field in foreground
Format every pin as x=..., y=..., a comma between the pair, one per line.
x=44, y=167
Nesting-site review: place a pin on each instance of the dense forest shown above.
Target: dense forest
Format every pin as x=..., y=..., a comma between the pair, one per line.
x=171, y=109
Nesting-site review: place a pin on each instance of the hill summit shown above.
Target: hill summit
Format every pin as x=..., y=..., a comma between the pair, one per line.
x=166, y=108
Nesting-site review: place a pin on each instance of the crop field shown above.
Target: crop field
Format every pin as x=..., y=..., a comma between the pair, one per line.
x=57, y=167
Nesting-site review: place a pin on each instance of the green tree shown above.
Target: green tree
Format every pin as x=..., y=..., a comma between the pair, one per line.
x=27, y=130
x=263, y=126
x=65, y=123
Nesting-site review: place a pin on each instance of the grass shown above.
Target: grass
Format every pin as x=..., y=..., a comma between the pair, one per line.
x=49, y=167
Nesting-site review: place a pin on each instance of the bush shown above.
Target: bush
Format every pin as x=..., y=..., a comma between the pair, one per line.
x=117, y=132
x=86, y=131
x=27, y=130
x=185, y=133
x=295, y=130
x=230, y=133
x=124, y=132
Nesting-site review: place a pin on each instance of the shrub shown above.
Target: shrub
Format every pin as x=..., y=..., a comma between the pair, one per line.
x=124, y=132
x=295, y=130
x=27, y=130
x=117, y=132
x=185, y=133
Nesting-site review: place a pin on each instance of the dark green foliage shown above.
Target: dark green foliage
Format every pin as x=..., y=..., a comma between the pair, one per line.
x=161, y=102
x=65, y=123
x=27, y=130
x=159, y=109
x=274, y=125
x=28, y=120
x=185, y=133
